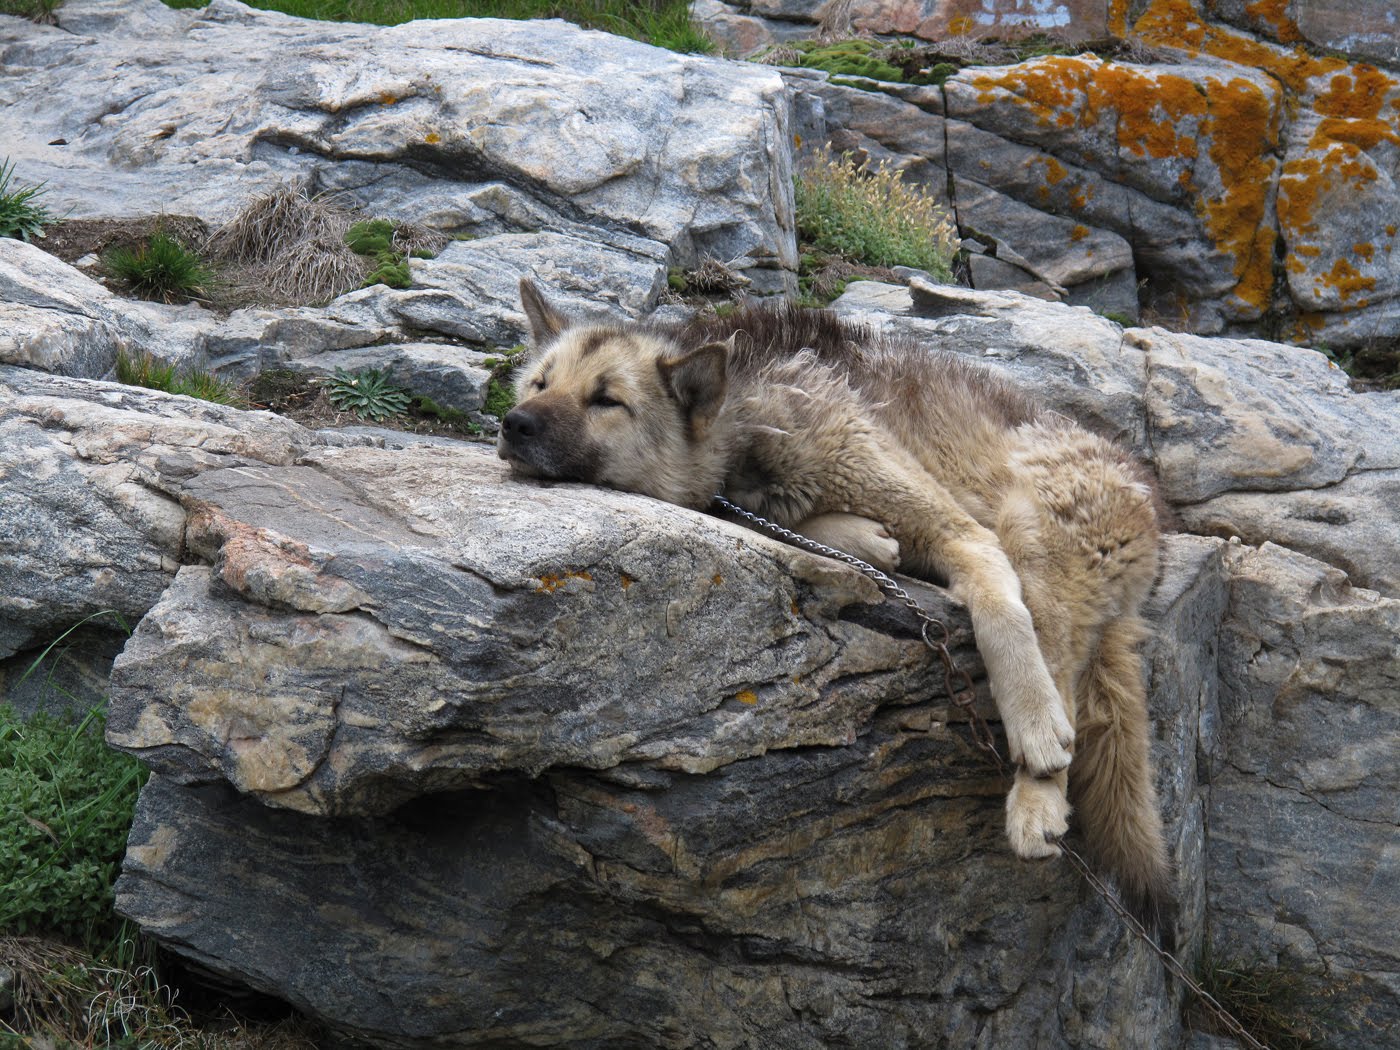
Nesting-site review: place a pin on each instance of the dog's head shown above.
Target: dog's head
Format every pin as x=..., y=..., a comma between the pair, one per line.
x=616, y=405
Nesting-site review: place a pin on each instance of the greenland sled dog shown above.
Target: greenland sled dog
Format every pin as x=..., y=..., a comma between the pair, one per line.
x=910, y=459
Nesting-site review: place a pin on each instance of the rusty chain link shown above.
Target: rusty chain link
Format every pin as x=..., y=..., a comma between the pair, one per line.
x=964, y=697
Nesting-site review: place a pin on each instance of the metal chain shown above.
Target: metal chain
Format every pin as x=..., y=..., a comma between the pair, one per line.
x=963, y=697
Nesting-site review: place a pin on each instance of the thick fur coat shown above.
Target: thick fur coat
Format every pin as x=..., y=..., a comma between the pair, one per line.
x=913, y=460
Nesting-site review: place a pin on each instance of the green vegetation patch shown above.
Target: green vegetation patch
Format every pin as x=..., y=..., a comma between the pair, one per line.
x=665, y=23
x=873, y=217
x=144, y=370
x=35, y=10
x=426, y=408
x=852, y=58
x=1279, y=1006
x=161, y=268
x=66, y=802
x=500, y=391
x=21, y=216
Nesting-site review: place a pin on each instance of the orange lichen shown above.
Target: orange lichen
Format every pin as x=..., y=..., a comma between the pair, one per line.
x=1357, y=93
x=1055, y=172
x=746, y=696
x=716, y=579
x=1347, y=280
x=1163, y=118
x=551, y=582
x=388, y=98
x=1274, y=14
x=625, y=580
x=1118, y=17
x=1179, y=23
x=1079, y=232
x=961, y=26
x=1242, y=131
x=1365, y=251
x=432, y=138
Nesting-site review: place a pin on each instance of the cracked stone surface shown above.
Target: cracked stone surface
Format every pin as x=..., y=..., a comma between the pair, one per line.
x=1302, y=868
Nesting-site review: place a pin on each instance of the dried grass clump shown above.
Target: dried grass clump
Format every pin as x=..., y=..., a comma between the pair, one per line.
x=873, y=217
x=288, y=247
x=62, y=996
x=713, y=277
x=316, y=270
x=274, y=222
x=412, y=238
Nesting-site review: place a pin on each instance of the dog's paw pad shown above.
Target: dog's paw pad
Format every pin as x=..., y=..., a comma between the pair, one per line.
x=1037, y=816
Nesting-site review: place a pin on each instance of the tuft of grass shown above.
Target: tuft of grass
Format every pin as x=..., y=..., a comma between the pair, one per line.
x=873, y=217
x=34, y=10
x=290, y=248
x=1276, y=1005
x=162, y=268
x=21, y=217
x=145, y=371
x=455, y=418
x=664, y=23
x=62, y=996
x=370, y=393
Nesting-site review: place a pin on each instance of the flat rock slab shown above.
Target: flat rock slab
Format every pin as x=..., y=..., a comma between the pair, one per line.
x=378, y=624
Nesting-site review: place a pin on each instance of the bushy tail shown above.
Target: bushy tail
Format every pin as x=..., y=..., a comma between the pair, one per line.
x=1111, y=778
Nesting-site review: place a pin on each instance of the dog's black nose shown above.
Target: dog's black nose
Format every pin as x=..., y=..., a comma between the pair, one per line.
x=520, y=424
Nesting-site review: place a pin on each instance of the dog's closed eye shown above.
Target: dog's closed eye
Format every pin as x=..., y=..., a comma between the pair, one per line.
x=602, y=399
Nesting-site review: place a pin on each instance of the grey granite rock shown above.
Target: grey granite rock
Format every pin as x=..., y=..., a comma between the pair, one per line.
x=196, y=110
x=1302, y=870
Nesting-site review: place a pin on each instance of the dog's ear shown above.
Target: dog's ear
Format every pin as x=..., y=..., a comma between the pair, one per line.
x=545, y=321
x=699, y=381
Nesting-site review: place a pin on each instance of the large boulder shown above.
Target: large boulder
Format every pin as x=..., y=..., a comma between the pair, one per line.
x=127, y=107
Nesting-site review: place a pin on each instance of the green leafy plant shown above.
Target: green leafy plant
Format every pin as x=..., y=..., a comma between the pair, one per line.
x=370, y=393
x=145, y=371
x=873, y=217
x=162, y=268
x=66, y=802
x=21, y=217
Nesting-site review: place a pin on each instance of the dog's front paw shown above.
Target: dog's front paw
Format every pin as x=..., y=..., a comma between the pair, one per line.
x=859, y=537
x=1042, y=742
x=1037, y=815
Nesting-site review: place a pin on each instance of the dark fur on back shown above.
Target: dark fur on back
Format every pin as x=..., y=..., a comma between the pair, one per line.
x=884, y=368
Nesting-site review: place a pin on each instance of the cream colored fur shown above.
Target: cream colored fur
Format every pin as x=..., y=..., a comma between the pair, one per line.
x=909, y=460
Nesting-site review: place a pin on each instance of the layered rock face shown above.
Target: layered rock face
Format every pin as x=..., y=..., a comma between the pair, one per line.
x=1244, y=180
